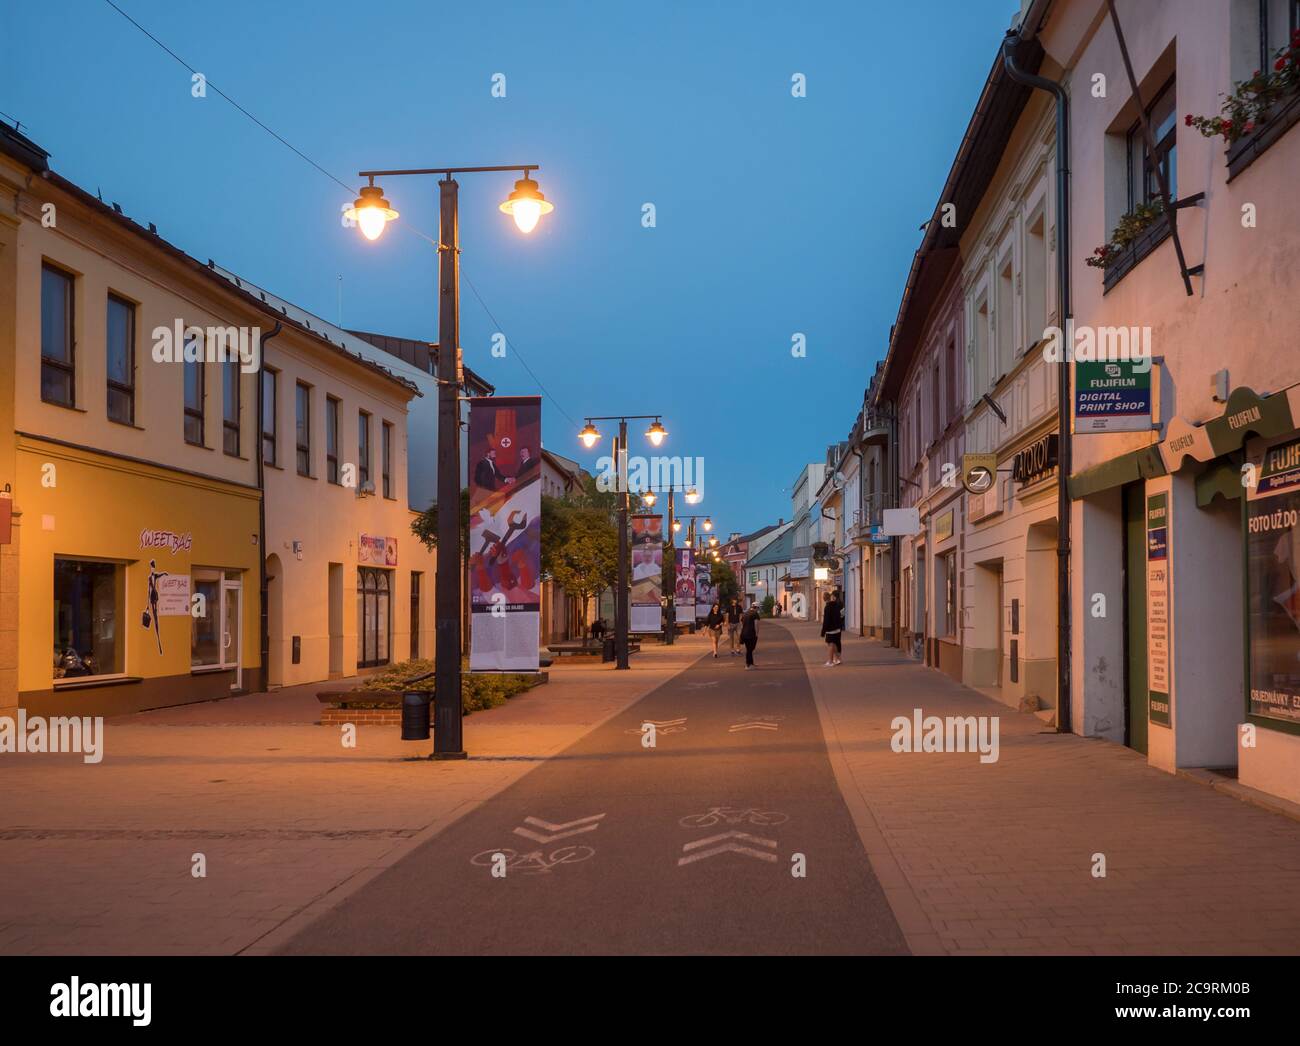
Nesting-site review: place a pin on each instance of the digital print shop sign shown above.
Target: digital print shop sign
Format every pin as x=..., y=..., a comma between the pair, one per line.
x=1112, y=396
x=1272, y=535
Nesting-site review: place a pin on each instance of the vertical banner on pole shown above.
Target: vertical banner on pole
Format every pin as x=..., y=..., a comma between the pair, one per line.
x=1158, y=705
x=647, y=573
x=703, y=590
x=685, y=596
x=505, y=531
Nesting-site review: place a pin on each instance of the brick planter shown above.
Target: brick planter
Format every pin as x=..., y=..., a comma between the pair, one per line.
x=361, y=716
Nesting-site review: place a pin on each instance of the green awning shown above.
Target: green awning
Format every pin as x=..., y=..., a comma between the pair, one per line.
x=1221, y=480
x=1144, y=463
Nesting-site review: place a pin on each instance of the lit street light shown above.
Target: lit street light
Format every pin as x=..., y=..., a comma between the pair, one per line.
x=589, y=436
x=372, y=213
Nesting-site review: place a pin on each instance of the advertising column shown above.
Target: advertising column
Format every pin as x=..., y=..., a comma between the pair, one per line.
x=647, y=573
x=505, y=528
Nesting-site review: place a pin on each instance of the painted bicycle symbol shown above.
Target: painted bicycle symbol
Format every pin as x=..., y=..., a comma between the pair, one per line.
x=534, y=863
x=733, y=815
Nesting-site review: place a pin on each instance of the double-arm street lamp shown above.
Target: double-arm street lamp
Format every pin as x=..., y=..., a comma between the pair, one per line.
x=590, y=435
x=372, y=213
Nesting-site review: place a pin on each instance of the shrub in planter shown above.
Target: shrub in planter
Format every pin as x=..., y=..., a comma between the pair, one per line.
x=1128, y=229
x=477, y=692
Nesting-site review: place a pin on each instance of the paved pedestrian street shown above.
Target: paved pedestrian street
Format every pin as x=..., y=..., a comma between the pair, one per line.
x=771, y=815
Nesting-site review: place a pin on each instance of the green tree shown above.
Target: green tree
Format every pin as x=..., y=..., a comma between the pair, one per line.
x=579, y=548
x=425, y=525
x=724, y=581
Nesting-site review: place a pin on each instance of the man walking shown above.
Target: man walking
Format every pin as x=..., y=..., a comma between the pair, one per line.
x=733, y=625
x=749, y=633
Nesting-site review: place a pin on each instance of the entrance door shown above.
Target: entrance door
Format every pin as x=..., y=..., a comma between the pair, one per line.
x=1001, y=615
x=1135, y=617
x=231, y=631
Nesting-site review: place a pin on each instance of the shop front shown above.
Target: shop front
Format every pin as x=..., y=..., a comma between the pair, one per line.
x=1217, y=675
x=138, y=584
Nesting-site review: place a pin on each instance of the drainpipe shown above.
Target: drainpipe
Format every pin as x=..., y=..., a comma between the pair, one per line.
x=264, y=622
x=862, y=560
x=1009, y=45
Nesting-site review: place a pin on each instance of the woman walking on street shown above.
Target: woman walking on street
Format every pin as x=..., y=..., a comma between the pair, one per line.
x=832, y=629
x=749, y=633
x=734, y=614
x=713, y=622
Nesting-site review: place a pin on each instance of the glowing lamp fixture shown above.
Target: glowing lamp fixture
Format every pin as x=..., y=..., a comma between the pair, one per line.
x=692, y=496
x=371, y=211
x=526, y=204
x=708, y=525
x=589, y=436
x=649, y=498
x=677, y=526
x=656, y=433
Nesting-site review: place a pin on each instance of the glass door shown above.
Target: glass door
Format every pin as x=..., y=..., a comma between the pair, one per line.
x=231, y=632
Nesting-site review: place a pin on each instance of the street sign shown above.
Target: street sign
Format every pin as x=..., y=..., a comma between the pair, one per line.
x=901, y=521
x=978, y=471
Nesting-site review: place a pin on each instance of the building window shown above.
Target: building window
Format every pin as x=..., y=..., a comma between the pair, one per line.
x=230, y=409
x=88, y=618
x=195, y=379
x=386, y=457
x=1005, y=318
x=332, y=439
x=58, y=350
x=119, y=338
x=214, y=634
x=302, y=427
x=268, y=416
x=983, y=367
x=1143, y=184
x=363, y=450
x=1036, y=278
x=416, y=580
x=374, y=601
x=949, y=565
x=954, y=405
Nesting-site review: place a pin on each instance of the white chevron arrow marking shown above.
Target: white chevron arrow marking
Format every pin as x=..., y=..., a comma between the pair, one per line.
x=727, y=847
x=699, y=686
x=750, y=726
x=559, y=831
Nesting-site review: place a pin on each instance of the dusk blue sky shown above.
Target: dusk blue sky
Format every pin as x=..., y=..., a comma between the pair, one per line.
x=775, y=215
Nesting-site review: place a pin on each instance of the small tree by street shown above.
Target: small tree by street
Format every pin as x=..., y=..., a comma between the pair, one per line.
x=579, y=548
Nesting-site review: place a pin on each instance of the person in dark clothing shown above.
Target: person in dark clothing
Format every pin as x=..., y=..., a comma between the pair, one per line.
x=832, y=629
x=734, y=614
x=713, y=622
x=486, y=474
x=749, y=634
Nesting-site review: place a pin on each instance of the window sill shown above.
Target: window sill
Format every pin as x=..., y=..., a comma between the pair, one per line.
x=1246, y=150
x=199, y=446
x=1147, y=241
x=273, y=465
x=64, y=406
x=127, y=424
x=204, y=670
x=94, y=682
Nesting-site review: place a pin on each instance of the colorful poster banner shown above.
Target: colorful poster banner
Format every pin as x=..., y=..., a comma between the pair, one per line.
x=376, y=551
x=505, y=533
x=704, y=594
x=1158, y=705
x=684, y=598
x=647, y=574
x=1273, y=583
x=1113, y=396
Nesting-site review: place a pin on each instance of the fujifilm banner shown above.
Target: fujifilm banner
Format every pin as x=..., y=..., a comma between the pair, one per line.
x=505, y=533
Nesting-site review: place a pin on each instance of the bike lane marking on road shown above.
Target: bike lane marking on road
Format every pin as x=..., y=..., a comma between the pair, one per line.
x=727, y=847
x=560, y=831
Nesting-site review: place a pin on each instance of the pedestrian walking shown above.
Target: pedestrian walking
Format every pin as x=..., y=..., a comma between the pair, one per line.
x=749, y=633
x=713, y=622
x=734, y=614
x=832, y=629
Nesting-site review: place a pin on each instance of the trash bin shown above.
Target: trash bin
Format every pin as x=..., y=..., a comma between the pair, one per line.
x=415, y=715
x=607, y=650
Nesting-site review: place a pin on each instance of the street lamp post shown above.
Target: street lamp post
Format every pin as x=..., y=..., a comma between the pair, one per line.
x=372, y=212
x=589, y=435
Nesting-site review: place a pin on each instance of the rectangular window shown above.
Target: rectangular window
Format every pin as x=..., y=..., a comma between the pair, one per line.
x=386, y=457
x=195, y=380
x=984, y=373
x=302, y=412
x=1006, y=319
x=363, y=450
x=374, y=602
x=230, y=409
x=58, y=350
x=332, y=439
x=950, y=593
x=119, y=338
x=416, y=579
x=268, y=416
x=1036, y=278
x=89, y=621
x=1144, y=186
x=936, y=401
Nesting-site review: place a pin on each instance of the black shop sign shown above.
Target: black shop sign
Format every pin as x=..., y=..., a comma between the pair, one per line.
x=1035, y=460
